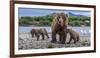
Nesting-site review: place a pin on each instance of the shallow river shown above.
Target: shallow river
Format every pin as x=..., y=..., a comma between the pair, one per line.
x=82, y=30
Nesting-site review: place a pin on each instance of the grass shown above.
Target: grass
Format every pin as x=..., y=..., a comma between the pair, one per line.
x=50, y=46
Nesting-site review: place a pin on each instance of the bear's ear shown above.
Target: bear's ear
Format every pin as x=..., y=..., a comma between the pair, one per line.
x=55, y=15
x=67, y=15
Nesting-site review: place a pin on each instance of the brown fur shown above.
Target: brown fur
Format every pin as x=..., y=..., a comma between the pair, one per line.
x=59, y=26
x=38, y=32
x=73, y=35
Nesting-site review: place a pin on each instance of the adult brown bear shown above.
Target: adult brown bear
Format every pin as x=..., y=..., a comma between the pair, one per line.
x=59, y=25
x=39, y=32
x=73, y=35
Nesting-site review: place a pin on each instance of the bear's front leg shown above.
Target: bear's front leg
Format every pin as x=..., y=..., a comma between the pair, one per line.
x=60, y=37
x=70, y=39
x=42, y=36
x=53, y=37
x=63, y=38
x=37, y=37
x=32, y=35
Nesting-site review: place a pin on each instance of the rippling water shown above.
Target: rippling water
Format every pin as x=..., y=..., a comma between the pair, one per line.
x=82, y=30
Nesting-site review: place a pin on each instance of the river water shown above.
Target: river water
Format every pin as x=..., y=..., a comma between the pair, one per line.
x=81, y=30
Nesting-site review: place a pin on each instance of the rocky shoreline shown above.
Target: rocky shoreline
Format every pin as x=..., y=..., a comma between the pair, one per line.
x=25, y=41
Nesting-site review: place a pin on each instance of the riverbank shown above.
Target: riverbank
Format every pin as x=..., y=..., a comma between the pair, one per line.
x=25, y=41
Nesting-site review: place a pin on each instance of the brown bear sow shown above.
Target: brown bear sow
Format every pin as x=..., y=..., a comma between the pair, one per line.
x=38, y=32
x=73, y=35
x=59, y=25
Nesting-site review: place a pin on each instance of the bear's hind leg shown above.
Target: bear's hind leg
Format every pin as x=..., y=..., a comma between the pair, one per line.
x=77, y=38
x=47, y=35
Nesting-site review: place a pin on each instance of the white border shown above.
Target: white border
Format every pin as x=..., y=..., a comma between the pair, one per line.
x=55, y=49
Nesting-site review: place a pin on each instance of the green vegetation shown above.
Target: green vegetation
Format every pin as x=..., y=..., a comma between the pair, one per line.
x=50, y=46
x=37, y=21
x=78, y=21
x=46, y=20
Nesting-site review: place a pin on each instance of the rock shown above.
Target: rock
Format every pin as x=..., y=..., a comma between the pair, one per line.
x=25, y=41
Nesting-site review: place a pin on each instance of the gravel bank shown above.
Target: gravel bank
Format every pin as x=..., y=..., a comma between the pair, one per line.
x=25, y=41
